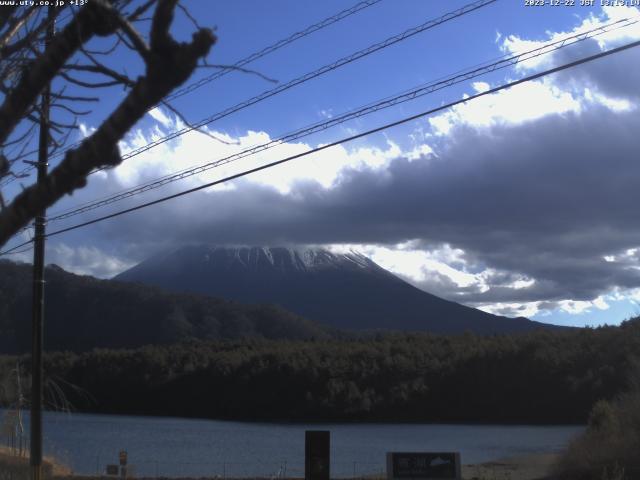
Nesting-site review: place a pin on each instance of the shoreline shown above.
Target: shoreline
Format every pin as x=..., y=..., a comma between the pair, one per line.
x=519, y=467
x=537, y=466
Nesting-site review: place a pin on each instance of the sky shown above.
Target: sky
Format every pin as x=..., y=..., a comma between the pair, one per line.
x=520, y=203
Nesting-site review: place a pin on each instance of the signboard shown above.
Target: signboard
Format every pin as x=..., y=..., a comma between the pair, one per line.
x=113, y=469
x=123, y=457
x=423, y=465
x=316, y=454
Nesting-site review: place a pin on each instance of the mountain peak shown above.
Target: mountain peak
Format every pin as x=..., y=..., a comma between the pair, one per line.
x=283, y=259
x=344, y=290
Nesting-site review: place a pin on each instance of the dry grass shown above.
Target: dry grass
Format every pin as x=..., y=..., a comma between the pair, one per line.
x=522, y=467
x=13, y=467
x=609, y=449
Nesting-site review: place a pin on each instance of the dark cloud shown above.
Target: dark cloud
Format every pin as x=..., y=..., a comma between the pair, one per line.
x=616, y=76
x=546, y=199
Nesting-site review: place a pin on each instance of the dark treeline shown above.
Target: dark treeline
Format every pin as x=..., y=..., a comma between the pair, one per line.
x=83, y=312
x=541, y=377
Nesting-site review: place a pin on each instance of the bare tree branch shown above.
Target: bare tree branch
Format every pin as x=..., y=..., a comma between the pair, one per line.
x=189, y=16
x=95, y=18
x=72, y=98
x=169, y=64
x=82, y=83
x=141, y=10
x=108, y=51
x=240, y=69
x=15, y=28
x=6, y=13
x=103, y=70
x=72, y=111
x=199, y=130
x=136, y=39
x=8, y=50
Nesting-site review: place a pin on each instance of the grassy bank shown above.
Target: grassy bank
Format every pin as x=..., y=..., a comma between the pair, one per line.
x=13, y=467
x=608, y=450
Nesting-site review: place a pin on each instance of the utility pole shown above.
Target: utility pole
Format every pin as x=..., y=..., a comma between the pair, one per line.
x=37, y=320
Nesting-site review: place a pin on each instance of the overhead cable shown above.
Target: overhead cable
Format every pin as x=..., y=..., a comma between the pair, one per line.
x=503, y=62
x=353, y=137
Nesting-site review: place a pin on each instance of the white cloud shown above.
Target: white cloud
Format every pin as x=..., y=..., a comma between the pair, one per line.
x=442, y=267
x=575, y=307
x=617, y=105
x=522, y=282
x=86, y=260
x=419, y=265
x=514, y=44
x=419, y=151
x=534, y=100
x=159, y=116
x=193, y=149
x=600, y=303
x=525, y=309
x=517, y=105
x=481, y=86
x=85, y=131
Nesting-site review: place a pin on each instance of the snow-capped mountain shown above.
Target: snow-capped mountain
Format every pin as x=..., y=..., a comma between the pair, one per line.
x=347, y=291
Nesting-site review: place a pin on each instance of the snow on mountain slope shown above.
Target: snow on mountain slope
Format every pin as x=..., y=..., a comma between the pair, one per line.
x=342, y=290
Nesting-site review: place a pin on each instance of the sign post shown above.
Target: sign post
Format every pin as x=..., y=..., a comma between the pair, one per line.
x=123, y=463
x=112, y=470
x=316, y=454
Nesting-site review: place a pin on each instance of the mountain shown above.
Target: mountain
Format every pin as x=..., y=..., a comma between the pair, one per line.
x=83, y=312
x=346, y=291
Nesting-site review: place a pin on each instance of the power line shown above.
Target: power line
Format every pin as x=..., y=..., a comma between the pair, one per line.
x=12, y=250
x=327, y=68
x=503, y=62
x=309, y=76
x=353, y=137
x=276, y=46
x=21, y=174
x=244, y=61
x=314, y=74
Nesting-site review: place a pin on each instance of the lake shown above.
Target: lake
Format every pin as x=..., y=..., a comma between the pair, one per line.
x=193, y=447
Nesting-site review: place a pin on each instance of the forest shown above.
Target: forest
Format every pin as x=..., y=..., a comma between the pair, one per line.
x=84, y=312
x=539, y=377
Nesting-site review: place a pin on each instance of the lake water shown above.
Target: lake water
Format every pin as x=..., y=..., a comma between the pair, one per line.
x=191, y=447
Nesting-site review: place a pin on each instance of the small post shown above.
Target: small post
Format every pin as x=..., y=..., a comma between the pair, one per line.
x=317, y=453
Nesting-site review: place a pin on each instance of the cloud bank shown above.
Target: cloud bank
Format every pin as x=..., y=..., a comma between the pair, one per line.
x=518, y=203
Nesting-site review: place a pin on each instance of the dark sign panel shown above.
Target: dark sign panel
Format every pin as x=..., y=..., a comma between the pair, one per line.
x=423, y=465
x=316, y=454
x=113, y=469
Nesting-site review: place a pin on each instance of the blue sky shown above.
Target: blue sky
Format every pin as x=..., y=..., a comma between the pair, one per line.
x=520, y=203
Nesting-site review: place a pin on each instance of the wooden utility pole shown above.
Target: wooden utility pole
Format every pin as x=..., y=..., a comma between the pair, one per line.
x=37, y=321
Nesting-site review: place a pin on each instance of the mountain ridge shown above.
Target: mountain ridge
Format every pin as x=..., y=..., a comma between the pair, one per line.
x=346, y=291
x=83, y=312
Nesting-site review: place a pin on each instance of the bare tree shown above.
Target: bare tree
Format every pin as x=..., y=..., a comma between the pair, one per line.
x=72, y=62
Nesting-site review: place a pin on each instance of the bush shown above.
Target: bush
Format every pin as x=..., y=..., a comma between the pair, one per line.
x=608, y=449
